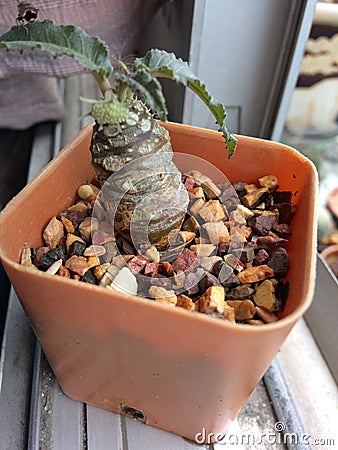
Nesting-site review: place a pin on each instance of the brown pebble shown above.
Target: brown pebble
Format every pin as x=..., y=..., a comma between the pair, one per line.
x=190, y=224
x=265, y=315
x=165, y=268
x=137, y=263
x=163, y=295
x=203, y=249
x=265, y=295
x=229, y=313
x=268, y=181
x=286, y=212
x=261, y=256
x=217, y=232
x=68, y=224
x=39, y=254
x=72, y=238
x=215, y=210
x=93, y=261
x=87, y=227
x=240, y=292
x=186, y=261
x=53, y=233
x=254, y=198
x=244, y=309
x=75, y=216
x=197, y=192
x=212, y=300
x=185, y=302
x=249, y=188
x=208, y=280
x=77, y=264
x=255, y=273
x=211, y=189
x=234, y=262
x=263, y=224
x=64, y=272
x=109, y=275
x=187, y=236
x=196, y=206
x=100, y=270
x=237, y=218
x=152, y=253
x=26, y=257
x=94, y=250
x=282, y=230
x=255, y=322
x=79, y=206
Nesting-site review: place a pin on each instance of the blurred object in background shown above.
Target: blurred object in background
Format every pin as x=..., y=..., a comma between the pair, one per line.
x=313, y=110
x=330, y=254
x=311, y=124
x=312, y=120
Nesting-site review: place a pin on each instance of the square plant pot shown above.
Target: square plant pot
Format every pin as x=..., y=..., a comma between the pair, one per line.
x=173, y=369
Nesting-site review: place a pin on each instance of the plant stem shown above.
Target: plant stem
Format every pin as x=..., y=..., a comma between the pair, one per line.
x=104, y=85
x=123, y=92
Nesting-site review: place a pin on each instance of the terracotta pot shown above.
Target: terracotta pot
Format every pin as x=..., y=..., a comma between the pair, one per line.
x=176, y=370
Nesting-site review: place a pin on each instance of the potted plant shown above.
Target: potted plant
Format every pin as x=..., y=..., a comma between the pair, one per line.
x=172, y=369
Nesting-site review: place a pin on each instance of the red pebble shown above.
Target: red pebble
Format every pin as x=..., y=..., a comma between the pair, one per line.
x=189, y=183
x=186, y=261
x=137, y=263
x=151, y=269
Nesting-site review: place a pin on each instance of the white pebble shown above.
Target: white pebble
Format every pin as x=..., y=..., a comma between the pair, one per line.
x=125, y=281
x=54, y=267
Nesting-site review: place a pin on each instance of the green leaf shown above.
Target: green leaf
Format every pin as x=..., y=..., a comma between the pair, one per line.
x=160, y=63
x=89, y=51
x=218, y=111
x=143, y=83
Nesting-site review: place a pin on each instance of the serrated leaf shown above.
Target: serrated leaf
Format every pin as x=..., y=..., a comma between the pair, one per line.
x=89, y=51
x=143, y=83
x=161, y=63
x=218, y=111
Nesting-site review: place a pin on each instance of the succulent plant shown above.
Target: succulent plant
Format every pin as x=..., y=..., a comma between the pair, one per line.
x=126, y=129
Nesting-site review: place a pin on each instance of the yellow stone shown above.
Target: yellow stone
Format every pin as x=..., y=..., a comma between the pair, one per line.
x=265, y=295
